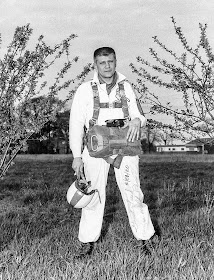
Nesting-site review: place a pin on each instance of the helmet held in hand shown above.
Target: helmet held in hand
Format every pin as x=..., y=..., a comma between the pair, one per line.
x=78, y=195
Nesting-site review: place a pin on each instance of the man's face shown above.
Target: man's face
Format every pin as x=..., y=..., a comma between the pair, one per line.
x=105, y=65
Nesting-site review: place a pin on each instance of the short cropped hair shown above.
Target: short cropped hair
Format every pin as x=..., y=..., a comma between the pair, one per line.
x=104, y=51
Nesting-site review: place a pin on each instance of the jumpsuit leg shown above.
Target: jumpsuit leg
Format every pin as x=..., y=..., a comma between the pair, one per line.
x=96, y=170
x=128, y=181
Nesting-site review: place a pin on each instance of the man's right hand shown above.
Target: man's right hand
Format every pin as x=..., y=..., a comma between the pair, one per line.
x=77, y=166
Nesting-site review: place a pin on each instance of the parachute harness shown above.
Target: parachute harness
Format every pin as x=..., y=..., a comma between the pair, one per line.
x=97, y=104
x=110, y=140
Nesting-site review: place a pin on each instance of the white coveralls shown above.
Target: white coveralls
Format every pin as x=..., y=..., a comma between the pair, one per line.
x=96, y=169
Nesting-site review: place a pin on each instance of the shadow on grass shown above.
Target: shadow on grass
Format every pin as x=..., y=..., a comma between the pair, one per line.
x=32, y=223
x=15, y=187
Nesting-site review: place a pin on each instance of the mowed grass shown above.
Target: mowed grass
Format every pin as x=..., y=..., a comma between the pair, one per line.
x=38, y=229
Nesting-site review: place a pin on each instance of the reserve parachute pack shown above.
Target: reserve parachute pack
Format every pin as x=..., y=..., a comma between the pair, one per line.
x=106, y=141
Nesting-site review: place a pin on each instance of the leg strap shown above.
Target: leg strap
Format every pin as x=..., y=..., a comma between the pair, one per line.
x=115, y=162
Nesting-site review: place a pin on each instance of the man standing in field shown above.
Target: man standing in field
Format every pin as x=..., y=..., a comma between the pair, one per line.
x=105, y=87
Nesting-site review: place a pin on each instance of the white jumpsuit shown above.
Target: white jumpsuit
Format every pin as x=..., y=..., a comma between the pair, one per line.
x=96, y=169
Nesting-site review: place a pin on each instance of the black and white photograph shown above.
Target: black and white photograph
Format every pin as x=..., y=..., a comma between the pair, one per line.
x=106, y=140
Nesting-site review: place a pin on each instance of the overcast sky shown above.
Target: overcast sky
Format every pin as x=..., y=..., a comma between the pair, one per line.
x=126, y=25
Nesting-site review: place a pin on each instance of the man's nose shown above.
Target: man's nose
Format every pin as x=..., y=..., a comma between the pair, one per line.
x=107, y=65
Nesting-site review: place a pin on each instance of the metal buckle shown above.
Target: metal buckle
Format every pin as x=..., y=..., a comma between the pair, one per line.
x=111, y=105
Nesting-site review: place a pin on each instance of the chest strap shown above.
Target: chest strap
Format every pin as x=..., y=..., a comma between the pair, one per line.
x=110, y=105
x=123, y=100
x=97, y=104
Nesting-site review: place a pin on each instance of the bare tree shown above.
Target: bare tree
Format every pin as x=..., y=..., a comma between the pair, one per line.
x=166, y=135
x=150, y=136
x=190, y=75
x=23, y=77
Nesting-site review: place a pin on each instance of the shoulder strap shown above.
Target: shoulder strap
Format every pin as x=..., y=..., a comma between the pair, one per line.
x=96, y=104
x=137, y=99
x=123, y=100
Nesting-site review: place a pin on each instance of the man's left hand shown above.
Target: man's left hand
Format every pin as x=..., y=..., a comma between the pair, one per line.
x=134, y=129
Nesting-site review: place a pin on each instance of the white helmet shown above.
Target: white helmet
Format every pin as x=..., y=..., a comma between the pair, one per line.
x=78, y=195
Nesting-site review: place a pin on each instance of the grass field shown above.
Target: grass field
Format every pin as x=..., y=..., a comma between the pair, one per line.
x=38, y=229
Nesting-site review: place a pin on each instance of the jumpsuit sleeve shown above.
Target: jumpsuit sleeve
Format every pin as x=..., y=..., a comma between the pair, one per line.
x=77, y=121
x=133, y=107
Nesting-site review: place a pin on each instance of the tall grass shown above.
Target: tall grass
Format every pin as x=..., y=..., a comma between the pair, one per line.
x=39, y=230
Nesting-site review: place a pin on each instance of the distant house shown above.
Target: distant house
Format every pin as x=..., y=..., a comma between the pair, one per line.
x=195, y=148
x=201, y=146
x=171, y=148
x=205, y=145
x=56, y=145
x=184, y=148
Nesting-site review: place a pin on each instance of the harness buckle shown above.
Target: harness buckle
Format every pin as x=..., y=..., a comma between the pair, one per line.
x=111, y=105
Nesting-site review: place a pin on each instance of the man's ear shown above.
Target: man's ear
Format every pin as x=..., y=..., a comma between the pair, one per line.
x=95, y=65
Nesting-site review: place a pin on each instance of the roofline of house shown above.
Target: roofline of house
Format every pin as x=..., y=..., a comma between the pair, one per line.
x=171, y=145
x=184, y=145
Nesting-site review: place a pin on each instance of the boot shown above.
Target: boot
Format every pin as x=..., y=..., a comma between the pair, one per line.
x=84, y=250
